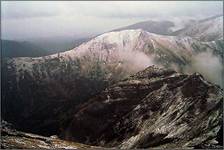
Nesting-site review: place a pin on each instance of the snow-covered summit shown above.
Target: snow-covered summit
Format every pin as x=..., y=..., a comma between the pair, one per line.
x=127, y=40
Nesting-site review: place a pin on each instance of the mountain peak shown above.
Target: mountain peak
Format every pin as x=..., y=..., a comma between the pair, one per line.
x=117, y=36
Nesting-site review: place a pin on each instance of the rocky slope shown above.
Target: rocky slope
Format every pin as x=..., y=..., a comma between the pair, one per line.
x=209, y=29
x=153, y=108
x=41, y=94
x=13, y=139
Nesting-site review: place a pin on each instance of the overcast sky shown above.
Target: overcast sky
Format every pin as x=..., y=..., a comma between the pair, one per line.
x=34, y=19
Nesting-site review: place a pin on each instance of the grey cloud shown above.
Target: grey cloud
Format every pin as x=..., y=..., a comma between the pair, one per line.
x=209, y=65
x=48, y=18
x=116, y=9
x=20, y=10
x=147, y=9
x=19, y=15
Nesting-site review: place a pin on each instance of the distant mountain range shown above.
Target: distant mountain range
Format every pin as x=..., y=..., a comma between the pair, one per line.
x=21, y=49
x=54, y=45
x=39, y=48
x=158, y=27
x=209, y=29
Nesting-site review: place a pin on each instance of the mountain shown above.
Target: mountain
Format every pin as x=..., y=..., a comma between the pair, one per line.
x=21, y=49
x=45, y=86
x=209, y=29
x=54, y=45
x=155, y=108
x=158, y=27
x=38, y=48
x=134, y=50
x=41, y=95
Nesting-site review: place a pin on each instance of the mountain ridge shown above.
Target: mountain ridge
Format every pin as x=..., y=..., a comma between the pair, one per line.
x=157, y=27
x=10, y=48
x=155, y=108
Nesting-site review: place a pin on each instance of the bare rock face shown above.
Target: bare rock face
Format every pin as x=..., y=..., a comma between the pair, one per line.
x=153, y=108
x=13, y=139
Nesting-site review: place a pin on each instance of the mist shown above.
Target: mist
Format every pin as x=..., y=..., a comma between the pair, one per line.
x=134, y=61
x=207, y=64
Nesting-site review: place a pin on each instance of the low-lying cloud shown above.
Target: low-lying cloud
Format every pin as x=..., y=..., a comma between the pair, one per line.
x=209, y=65
x=135, y=61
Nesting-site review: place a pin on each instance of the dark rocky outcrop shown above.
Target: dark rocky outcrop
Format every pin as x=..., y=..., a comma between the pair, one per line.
x=13, y=139
x=153, y=108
